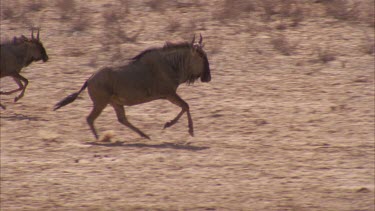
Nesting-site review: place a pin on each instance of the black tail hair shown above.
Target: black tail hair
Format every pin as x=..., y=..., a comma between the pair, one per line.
x=69, y=98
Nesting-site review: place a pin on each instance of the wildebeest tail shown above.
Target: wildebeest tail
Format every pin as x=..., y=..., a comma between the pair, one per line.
x=69, y=98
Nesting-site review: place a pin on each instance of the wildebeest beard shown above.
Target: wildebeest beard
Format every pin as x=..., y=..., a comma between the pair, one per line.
x=206, y=77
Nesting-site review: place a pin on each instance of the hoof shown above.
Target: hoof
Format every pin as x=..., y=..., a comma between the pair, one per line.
x=17, y=98
x=147, y=137
x=191, y=132
x=144, y=135
x=96, y=137
x=168, y=124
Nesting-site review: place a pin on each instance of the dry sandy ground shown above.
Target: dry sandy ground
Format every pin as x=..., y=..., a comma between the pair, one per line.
x=273, y=132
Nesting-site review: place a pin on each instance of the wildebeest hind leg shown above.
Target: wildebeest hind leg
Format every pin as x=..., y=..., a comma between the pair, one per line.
x=96, y=111
x=120, y=112
x=177, y=100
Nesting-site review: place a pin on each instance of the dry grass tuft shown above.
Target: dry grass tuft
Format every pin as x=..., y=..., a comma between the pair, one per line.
x=358, y=11
x=118, y=35
x=7, y=13
x=368, y=46
x=35, y=5
x=346, y=10
x=66, y=7
x=157, y=5
x=111, y=16
x=12, y=10
x=269, y=8
x=107, y=136
x=117, y=13
x=281, y=44
x=116, y=16
x=296, y=15
x=281, y=26
x=233, y=9
x=173, y=25
x=325, y=56
x=342, y=9
x=368, y=12
x=81, y=22
x=286, y=9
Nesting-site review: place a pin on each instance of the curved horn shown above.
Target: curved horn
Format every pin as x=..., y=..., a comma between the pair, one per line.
x=37, y=35
x=192, y=42
x=200, y=39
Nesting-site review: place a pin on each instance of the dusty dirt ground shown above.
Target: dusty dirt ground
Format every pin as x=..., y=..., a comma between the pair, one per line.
x=274, y=129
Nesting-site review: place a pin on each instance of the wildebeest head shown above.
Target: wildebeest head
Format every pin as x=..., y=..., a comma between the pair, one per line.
x=36, y=48
x=201, y=65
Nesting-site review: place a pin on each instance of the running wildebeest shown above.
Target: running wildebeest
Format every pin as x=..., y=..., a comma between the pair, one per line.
x=19, y=53
x=153, y=74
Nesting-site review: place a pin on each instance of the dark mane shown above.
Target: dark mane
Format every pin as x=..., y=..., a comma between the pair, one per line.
x=8, y=41
x=181, y=45
x=137, y=57
x=18, y=40
x=170, y=45
x=167, y=46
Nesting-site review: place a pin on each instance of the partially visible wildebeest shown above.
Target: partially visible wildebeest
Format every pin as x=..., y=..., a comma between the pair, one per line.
x=16, y=54
x=153, y=74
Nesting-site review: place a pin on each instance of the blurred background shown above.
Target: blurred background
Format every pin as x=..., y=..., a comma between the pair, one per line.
x=287, y=122
x=112, y=29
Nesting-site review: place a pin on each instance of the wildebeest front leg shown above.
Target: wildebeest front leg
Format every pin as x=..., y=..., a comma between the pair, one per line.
x=26, y=82
x=18, y=78
x=20, y=87
x=175, y=99
x=120, y=112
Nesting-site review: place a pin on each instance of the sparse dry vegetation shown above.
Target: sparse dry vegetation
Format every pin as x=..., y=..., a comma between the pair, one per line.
x=357, y=11
x=10, y=10
x=173, y=25
x=80, y=22
x=157, y=5
x=35, y=5
x=269, y=8
x=342, y=9
x=114, y=14
x=7, y=13
x=368, y=45
x=283, y=45
x=66, y=8
x=233, y=9
x=116, y=19
x=291, y=103
x=325, y=55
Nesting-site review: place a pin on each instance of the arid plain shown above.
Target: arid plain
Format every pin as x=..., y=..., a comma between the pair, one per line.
x=287, y=122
